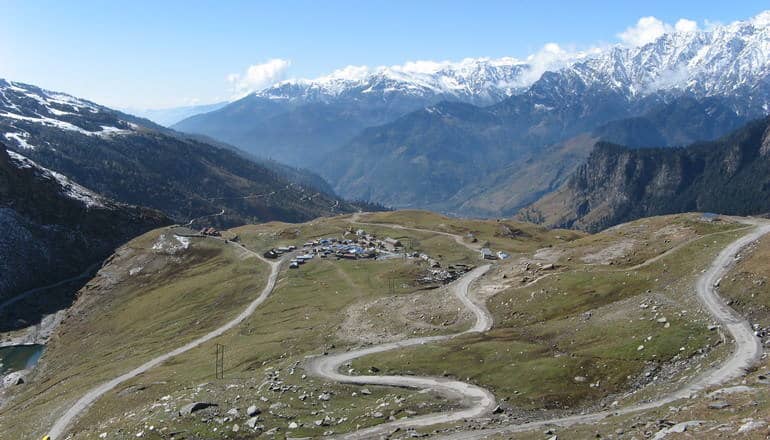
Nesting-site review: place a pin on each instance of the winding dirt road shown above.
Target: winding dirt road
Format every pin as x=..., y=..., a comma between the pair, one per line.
x=60, y=427
x=746, y=353
x=476, y=400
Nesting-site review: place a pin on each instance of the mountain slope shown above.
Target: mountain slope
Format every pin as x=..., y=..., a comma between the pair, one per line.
x=137, y=162
x=617, y=184
x=54, y=228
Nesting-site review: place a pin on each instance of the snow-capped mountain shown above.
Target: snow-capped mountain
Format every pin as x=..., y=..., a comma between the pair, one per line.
x=682, y=87
x=731, y=59
x=480, y=81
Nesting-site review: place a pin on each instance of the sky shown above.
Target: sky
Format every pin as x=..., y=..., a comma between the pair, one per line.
x=158, y=54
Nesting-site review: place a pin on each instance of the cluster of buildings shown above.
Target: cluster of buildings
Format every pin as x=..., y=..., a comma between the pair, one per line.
x=358, y=245
x=361, y=246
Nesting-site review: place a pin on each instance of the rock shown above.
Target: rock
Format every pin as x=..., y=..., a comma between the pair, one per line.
x=678, y=429
x=293, y=425
x=13, y=379
x=324, y=396
x=252, y=422
x=662, y=320
x=721, y=404
x=580, y=379
x=751, y=425
x=236, y=428
x=365, y=391
x=378, y=415
x=195, y=406
x=640, y=348
x=498, y=410
x=232, y=412
x=253, y=411
x=730, y=390
x=374, y=369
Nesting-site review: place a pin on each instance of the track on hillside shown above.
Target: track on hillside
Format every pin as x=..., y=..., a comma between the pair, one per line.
x=747, y=352
x=81, y=405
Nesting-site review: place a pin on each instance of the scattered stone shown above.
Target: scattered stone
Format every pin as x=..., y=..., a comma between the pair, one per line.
x=662, y=320
x=252, y=422
x=677, y=429
x=640, y=348
x=293, y=425
x=324, y=396
x=232, y=412
x=365, y=391
x=580, y=379
x=236, y=428
x=498, y=410
x=253, y=411
x=721, y=404
x=378, y=415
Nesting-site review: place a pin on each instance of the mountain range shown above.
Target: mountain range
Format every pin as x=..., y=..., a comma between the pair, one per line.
x=489, y=137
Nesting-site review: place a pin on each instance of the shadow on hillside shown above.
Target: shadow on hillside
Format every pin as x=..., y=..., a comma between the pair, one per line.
x=31, y=311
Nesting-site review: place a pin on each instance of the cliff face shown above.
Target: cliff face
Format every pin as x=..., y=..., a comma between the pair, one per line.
x=617, y=184
x=52, y=228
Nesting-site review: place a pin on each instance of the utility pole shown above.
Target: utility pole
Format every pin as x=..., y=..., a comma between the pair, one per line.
x=220, y=362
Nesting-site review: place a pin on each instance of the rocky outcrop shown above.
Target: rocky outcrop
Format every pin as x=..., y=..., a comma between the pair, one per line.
x=617, y=184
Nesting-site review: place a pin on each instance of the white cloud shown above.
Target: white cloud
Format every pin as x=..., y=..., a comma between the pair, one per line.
x=648, y=29
x=685, y=25
x=258, y=76
x=351, y=73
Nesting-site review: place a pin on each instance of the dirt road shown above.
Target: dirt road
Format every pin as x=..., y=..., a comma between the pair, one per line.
x=747, y=349
x=60, y=427
x=476, y=400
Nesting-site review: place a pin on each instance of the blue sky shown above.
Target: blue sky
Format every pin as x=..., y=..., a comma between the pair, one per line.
x=170, y=53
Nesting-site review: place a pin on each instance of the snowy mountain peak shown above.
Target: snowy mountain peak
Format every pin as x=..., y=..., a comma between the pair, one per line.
x=482, y=80
x=726, y=59
x=720, y=60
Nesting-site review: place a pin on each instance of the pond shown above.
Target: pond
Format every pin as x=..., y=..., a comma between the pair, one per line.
x=19, y=357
